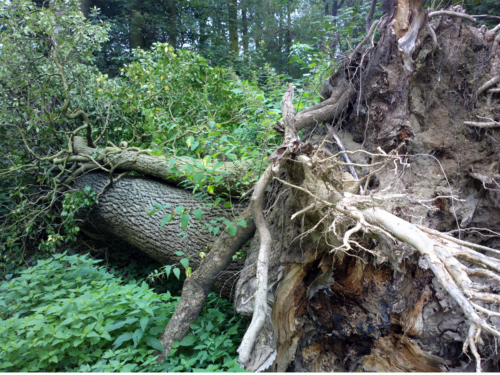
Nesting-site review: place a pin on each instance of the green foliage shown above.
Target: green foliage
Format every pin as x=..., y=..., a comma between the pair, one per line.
x=66, y=314
x=78, y=202
x=40, y=48
x=212, y=343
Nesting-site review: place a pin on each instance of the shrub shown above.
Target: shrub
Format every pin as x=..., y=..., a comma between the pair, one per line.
x=66, y=314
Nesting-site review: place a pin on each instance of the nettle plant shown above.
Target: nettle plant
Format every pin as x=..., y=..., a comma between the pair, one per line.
x=67, y=314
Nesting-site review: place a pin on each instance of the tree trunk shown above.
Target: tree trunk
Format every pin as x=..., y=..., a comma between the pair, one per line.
x=85, y=7
x=233, y=25
x=336, y=6
x=244, y=27
x=122, y=213
x=172, y=27
x=288, y=38
x=136, y=38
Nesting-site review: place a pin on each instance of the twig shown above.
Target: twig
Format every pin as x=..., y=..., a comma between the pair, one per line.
x=374, y=25
x=303, y=211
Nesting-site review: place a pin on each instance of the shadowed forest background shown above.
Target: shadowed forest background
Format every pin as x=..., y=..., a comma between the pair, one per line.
x=141, y=141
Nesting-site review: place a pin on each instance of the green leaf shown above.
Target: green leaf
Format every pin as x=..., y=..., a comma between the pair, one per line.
x=189, y=340
x=210, y=189
x=197, y=177
x=185, y=220
x=154, y=343
x=198, y=213
x=168, y=269
x=156, y=330
x=165, y=220
x=232, y=230
x=185, y=263
x=137, y=335
x=218, y=165
x=242, y=223
x=121, y=339
x=177, y=273
x=179, y=209
x=189, y=168
x=216, y=230
x=179, y=253
x=144, y=322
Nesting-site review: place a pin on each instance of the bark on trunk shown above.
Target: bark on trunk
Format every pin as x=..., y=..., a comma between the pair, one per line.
x=244, y=28
x=122, y=213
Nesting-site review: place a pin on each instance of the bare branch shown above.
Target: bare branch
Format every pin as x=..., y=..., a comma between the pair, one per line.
x=451, y=14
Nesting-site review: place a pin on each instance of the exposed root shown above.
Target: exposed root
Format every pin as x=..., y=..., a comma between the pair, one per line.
x=261, y=309
x=490, y=124
x=488, y=84
x=452, y=14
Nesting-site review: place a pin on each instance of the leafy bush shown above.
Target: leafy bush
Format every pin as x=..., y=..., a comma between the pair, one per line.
x=66, y=314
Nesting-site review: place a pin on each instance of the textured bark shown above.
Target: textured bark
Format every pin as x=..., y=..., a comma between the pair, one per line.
x=122, y=213
x=196, y=288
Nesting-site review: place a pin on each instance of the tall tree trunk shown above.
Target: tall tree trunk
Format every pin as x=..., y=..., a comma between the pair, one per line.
x=136, y=39
x=233, y=25
x=336, y=6
x=327, y=11
x=172, y=27
x=85, y=7
x=288, y=38
x=244, y=26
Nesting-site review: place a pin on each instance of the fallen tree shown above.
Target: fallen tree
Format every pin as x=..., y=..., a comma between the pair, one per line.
x=345, y=273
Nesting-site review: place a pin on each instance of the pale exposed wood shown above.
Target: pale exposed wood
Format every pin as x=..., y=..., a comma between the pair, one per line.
x=452, y=14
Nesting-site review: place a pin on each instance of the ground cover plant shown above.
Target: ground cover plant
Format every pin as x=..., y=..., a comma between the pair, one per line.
x=69, y=314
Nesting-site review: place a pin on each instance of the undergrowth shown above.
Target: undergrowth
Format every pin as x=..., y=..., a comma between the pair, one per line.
x=66, y=314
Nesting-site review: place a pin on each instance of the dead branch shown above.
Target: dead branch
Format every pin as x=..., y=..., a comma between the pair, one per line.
x=368, y=34
x=452, y=14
